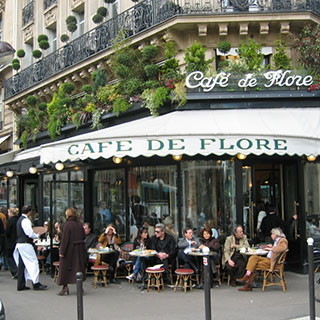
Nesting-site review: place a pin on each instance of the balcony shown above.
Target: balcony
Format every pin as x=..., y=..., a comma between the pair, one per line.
x=141, y=17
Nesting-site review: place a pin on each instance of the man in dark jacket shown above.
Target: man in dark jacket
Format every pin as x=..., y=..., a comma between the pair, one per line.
x=165, y=245
x=270, y=221
x=11, y=235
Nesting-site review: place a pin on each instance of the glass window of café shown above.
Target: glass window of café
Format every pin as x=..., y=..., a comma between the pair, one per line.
x=209, y=195
x=153, y=198
x=12, y=190
x=67, y=192
x=109, y=200
x=3, y=193
x=312, y=199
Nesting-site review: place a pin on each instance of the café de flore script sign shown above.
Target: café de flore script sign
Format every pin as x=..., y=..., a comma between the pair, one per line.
x=268, y=80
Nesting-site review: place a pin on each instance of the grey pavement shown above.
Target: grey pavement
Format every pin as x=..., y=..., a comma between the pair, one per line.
x=126, y=301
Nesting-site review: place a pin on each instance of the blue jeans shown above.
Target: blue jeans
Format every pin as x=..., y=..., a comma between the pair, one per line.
x=137, y=265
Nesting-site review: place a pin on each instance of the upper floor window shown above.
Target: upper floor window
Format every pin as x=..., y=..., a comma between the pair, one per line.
x=28, y=12
x=48, y=3
x=0, y=27
x=52, y=36
x=80, y=20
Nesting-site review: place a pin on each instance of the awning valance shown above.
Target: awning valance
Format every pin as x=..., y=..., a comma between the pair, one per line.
x=248, y=131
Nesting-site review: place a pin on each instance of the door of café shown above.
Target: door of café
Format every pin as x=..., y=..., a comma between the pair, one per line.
x=273, y=183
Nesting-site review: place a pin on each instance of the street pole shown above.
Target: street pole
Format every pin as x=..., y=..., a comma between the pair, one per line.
x=311, y=278
x=206, y=273
x=79, y=296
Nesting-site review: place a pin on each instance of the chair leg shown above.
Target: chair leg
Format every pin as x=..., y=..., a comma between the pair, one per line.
x=105, y=280
x=95, y=279
x=185, y=283
x=283, y=281
x=177, y=283
x=149, y=281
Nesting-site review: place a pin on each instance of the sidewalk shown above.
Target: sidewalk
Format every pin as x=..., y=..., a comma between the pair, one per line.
x=126, y=301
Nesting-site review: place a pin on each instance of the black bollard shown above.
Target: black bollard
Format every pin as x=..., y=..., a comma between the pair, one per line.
x=311, y=279
x=79, y=296
x=207, y=298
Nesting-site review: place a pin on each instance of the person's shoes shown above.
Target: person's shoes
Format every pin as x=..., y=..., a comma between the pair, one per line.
x=39, y=286
x=130, y=277
x=63, y=291
x=233, y=283
x=115, y=281
x=23, y=288
x=14, y=277
x=246, y=287
x=245, y=279
x=0, y=266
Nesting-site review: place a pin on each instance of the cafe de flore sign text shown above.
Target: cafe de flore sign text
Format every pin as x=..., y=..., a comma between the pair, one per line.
x=270, y=79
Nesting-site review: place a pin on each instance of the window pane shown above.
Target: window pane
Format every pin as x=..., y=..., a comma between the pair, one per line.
x=3, y=194
x=312, y=196
x=109, y=200
x=209, y=195
x=12, y=193
x=153, y=195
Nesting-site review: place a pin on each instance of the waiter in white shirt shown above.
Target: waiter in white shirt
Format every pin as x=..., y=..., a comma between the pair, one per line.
x=24, y=253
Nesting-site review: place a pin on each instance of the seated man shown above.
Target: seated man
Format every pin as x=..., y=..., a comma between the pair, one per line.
x=165, y=245
x=185, y=246
x=280, y=245
x=90, y=239
x=232, y=259
x=110, y=239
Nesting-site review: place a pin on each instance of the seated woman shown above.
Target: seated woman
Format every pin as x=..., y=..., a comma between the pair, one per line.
x=110, y=238
x=207, y=240
x=142, y=241
x=280, y=245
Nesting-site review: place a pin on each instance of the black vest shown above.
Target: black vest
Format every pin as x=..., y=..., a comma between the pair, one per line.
x=21, y=236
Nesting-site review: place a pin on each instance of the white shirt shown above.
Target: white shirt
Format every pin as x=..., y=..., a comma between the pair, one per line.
x=27, y=228
x=269, y=255
x=189, y=248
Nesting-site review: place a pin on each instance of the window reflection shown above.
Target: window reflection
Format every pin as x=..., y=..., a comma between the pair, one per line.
x=312, y=196
x=209, y=195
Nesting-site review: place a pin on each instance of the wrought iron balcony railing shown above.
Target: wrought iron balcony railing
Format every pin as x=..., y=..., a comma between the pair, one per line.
x=48, y=3
x=28, y=13
x=146, y=14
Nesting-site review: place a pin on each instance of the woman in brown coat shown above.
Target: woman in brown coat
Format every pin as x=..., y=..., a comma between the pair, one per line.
x=72, y=251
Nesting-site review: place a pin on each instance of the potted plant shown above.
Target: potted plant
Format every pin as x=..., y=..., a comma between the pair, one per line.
x=15, y=64
x=71, y=23
x=224, y=46
x=21, y=53
x=36, y=54
x=64, y=38
x=43, y=41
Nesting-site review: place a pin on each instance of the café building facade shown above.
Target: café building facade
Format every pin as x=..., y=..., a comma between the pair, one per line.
x=236, y=146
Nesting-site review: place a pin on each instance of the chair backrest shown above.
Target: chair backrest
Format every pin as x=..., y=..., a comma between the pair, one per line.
x=281, y=260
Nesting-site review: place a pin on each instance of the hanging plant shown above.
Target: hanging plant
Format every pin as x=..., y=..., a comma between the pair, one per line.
x=21, y=53
x=36, y=54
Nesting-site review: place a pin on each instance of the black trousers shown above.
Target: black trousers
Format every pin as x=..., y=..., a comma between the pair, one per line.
x=239, y=269
x=21, y=283
x=111, y=259
x=189, y=262
x=11, y=263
